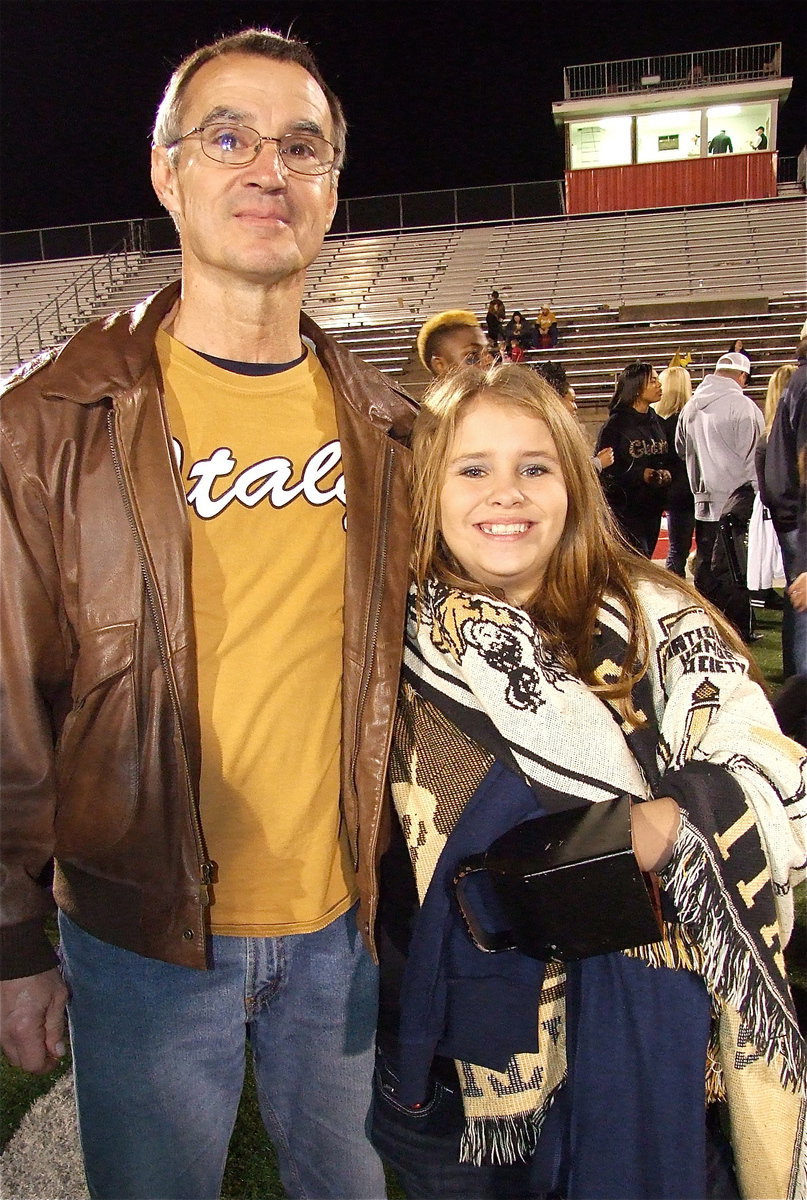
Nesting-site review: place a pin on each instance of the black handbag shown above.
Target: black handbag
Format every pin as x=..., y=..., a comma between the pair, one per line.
x=567, y=885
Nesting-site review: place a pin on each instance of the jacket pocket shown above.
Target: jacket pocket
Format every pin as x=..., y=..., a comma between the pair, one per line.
x=97, y=753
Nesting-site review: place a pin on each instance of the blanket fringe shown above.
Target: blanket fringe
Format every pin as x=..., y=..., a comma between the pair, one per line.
x=728, y=965
x=502, y=1141
x=800, y=1187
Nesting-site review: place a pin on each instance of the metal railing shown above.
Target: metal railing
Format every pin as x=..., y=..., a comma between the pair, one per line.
x=362, y=214
x=70, y=304
x=672, y=71
x=446, y=208
x=449, y=207
x=69, y=241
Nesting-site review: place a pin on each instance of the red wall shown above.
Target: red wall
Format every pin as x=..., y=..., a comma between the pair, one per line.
x=714, y=180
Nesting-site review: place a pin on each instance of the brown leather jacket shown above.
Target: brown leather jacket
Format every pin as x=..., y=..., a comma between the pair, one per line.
x=99, y=702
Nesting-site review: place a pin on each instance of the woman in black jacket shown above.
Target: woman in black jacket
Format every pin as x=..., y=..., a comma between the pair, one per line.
x=637, y=482
x=519, y=330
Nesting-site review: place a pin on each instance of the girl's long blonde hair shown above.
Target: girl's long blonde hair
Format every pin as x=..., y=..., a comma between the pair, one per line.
x=590, y=560
x=676, y=389
x=776, y=387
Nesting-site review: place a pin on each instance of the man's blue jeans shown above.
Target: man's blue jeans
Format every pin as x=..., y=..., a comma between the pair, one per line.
x=159, y=1053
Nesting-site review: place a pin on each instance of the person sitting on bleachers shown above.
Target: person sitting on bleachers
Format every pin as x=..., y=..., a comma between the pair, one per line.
x=520, y=330
x=452, y=338
x=515, y=351
x=546, y=329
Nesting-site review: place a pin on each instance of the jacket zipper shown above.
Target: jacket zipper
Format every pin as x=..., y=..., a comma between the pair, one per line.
x=373, y=618
x=205, y=867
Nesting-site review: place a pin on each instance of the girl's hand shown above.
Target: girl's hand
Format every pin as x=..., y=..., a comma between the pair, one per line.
x=654, y=828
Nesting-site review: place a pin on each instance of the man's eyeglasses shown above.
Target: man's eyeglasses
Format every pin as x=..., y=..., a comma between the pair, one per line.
x=236, y=145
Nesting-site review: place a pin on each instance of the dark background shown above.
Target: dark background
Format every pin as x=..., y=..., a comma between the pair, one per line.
x=440, y=93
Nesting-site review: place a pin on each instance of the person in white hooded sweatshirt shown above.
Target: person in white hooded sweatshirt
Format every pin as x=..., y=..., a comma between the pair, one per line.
x=717, y=432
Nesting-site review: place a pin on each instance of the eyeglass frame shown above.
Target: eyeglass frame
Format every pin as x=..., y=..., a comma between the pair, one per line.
x=261, y=138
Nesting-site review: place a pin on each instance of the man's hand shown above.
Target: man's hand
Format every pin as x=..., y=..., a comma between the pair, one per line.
x=32, y=1020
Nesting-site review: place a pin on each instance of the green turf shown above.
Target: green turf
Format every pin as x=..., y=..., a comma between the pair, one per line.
x=18, y=1091
x=251, y=1170
x=768, y=652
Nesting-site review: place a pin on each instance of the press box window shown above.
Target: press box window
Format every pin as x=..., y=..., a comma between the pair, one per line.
x=605, y=142
x=664, y=136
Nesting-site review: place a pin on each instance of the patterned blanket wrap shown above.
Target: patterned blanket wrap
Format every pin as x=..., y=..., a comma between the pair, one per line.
x=480, y=683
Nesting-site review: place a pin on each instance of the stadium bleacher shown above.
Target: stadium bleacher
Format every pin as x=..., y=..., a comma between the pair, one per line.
x=740, y=266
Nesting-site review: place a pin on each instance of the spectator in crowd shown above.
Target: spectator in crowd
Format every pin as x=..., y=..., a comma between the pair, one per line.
x=786, y=496
x=555, y=375
x=494, y=317
x=546, y=329
x=760, y=139
x=450, y=339
x=716, y=437
x=180, y=586
x=738, y=347
x=721, y=143
x=515, y=351
x=517, y=329
x=637, y=481
x=676, y=390
x=776, y=386
x=730, y=565
x=547, y=665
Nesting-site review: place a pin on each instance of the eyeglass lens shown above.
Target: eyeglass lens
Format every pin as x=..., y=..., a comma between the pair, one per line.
x=239, y=144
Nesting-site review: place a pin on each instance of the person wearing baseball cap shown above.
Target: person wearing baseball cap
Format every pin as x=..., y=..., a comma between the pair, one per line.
x=734, y=362
x=716, y=436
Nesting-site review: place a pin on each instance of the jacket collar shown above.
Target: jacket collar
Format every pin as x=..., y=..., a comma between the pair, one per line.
x=109, y=357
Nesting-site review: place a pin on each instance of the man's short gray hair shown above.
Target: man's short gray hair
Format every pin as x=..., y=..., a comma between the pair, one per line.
x=262, y=43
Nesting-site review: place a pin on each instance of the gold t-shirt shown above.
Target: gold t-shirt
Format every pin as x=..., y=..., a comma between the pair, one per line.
x=261, y=466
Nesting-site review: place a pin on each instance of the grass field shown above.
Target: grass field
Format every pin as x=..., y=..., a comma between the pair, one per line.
x=251, y=1173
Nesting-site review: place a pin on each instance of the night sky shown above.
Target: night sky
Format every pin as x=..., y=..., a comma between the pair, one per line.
x=437, y=94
